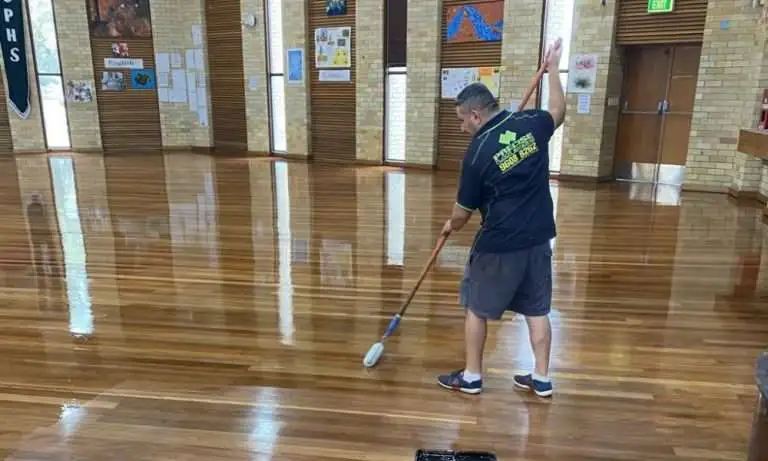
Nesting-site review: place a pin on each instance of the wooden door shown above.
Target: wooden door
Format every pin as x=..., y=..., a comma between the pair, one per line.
x=644, y=90
x=678, y=108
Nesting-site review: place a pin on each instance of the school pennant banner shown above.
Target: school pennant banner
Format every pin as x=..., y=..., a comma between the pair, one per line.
x=15, y=56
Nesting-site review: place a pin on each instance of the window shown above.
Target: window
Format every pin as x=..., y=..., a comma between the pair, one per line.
x=558, y=23
x=396, y=31
x=276, y=76
x=49, y=77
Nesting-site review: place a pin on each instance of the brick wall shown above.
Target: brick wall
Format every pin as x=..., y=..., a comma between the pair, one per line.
x=172, y=33
x=423, y=57
x=520, y=49
x=296, y=95
x=589, y=139
x=255, y=66
x=726, y=99
x=77, y=64
x=369, y=57
x=27, y=134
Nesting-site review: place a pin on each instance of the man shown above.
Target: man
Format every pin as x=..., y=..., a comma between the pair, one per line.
x=505, y=174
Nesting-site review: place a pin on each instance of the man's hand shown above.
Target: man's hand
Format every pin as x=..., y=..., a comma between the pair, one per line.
x=447, y=228
x=552, y=56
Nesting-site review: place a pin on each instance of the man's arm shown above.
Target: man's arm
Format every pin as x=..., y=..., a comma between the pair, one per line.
x=467, y=200
x=556, y=98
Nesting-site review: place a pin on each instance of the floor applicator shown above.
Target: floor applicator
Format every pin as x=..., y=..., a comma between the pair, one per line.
x=374, y=353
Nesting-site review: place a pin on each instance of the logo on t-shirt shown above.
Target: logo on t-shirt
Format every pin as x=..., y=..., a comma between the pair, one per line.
x=515, y=151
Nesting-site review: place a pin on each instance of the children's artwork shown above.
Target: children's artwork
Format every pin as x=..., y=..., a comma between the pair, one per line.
x=474, y=22
x=333, y=48
x=119, y=18
x=120, y=50
x=295, y=58
x=79, y=91
x=582, y=74
x=456, y=79
x=143, y=79
x=113, y=81
x=335, y=7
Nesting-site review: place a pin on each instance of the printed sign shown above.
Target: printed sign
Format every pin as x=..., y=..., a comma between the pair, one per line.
x=15, y=57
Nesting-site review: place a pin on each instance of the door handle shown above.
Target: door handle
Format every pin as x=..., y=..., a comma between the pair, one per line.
x=665, y=106
x=660, y=107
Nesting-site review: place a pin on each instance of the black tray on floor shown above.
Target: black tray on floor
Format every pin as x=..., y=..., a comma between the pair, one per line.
x=441, y=455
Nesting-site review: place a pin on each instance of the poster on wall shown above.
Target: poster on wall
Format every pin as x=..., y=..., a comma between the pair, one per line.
x=334, y=75
x=295, y=58
x=474, y=22
x=79, y=91
x=15, y=58
x=119, y=18
x=335, y=7
x=582, y=74
x=453, y=80
x=333, y=47
x=112, y=81
x=143, y=79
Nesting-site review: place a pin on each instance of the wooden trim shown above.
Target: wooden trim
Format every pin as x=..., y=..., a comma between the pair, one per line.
x=753, y=142
x=29, y=151
x=635, y=26
x=702, y=188
x=581, y=178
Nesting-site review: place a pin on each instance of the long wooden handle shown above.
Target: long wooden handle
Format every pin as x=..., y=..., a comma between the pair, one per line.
x=440, y=244
x=531, y=88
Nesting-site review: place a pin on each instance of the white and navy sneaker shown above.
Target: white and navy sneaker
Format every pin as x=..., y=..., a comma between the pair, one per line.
x=456, y=382
x=541, y=388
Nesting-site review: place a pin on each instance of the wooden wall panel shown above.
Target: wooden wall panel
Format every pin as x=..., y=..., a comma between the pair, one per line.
x=636, y=26
x=6, y=141
x=227, y=80
x=130, y=119
x=451, y=142
x=333, y=104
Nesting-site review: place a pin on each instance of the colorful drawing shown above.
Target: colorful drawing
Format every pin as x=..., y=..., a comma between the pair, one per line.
x=335, y=7
x=119, y=18
x=582, y=73
x=120, y=50
x=143, y=79
x=79, y=91
x=333, y=48
x=475, y=22
x=113, y=81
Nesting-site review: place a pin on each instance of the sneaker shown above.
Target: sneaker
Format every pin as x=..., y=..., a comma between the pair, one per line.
x=455, y=382
x=541, y=388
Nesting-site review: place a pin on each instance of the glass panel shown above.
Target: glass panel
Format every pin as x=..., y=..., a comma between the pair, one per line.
x=54, y=112
x=556, y=143
x=275, y=31
x=559, y=23
x=44, y=36
x=396, y=116
x=395, y=218
x=277, y=90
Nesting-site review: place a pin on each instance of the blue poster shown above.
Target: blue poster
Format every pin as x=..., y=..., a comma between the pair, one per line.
x=295, y=65
x=143, y=79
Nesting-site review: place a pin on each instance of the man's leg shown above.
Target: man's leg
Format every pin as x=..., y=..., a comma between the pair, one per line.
x=475, y=329
x=534, y=302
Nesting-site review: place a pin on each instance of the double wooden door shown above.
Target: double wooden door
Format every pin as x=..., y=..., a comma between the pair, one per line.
x=658, y=95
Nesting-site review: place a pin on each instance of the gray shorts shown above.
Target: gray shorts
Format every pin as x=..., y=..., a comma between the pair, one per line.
x=520, y=281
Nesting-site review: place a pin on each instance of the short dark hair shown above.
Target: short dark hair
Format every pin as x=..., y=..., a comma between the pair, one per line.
x=477, y=96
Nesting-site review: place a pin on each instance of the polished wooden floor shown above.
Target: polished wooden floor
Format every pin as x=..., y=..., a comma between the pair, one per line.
x=191, y=308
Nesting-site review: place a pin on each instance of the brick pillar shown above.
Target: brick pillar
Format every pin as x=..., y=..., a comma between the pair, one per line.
x=369, y=56
x=172, y=33
x=423, y=97
x=297, y=96
x=255, y=66
x=727, y=97
x=589, y=140
x=77, y=64
x=520, y=47
x=27, y=134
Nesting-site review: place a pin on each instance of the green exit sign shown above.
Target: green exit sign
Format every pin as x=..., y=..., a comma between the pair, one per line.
x=661, y=6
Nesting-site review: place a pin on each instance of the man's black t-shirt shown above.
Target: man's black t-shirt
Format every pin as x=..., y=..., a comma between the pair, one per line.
x=505, y=174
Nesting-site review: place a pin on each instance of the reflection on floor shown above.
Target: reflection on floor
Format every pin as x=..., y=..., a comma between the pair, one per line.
x=186, y=307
